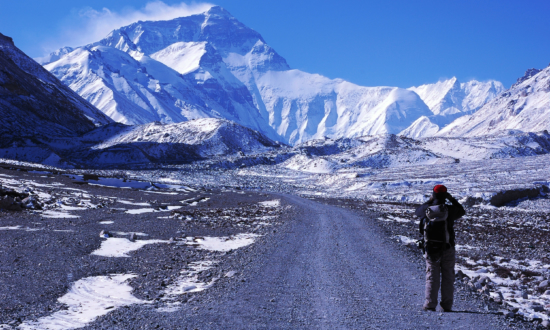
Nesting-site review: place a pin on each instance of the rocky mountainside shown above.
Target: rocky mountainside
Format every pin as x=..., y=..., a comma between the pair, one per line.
x=524, y=107
x=188, y=141
x=35, y=104
x=123, y=145
x=212, y=65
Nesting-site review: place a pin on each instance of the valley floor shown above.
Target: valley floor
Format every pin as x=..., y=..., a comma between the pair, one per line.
x=213, y=259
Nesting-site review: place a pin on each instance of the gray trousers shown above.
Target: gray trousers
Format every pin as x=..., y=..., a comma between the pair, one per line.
x=440, y=271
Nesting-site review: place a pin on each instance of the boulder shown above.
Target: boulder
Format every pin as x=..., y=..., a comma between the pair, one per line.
x=10, y=203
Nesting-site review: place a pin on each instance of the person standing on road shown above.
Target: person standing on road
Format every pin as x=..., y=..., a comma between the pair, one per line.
x=437, y=228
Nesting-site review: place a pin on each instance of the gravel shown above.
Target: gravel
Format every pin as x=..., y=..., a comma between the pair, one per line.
x=316, y=264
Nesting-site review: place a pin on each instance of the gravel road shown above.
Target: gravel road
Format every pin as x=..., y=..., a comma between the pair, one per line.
x=328, y=268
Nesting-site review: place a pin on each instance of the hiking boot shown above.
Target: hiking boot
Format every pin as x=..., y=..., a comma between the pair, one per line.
x=427, y=309
x=447, y=310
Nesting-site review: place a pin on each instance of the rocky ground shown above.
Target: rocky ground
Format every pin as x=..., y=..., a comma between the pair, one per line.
x=44, y=253
x=115, y=253
x=502, y=253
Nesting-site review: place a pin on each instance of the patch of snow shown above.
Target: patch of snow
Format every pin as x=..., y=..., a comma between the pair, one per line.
x=273, y=203
x=188, y=280
x=88, y=299
x=149, y=210
x=120, y=247
x=222, y=244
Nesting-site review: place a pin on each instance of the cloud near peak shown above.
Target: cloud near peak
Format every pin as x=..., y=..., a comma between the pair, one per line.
x=88, y=24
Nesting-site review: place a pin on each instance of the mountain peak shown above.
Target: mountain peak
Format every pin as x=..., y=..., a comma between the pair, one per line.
x=219, y=11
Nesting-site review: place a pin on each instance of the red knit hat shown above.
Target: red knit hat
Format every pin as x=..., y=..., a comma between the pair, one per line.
x=439, y=189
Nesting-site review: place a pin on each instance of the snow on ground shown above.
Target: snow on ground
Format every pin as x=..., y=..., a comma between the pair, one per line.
x=188, y=280
x=86, y=300
x=149, y=210
x=120, y=247
x=273, y=203
x=221, y=244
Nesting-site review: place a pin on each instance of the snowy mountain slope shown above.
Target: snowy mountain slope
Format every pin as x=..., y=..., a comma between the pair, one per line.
x=385, y=150
x=184, y=57
x=525, y=107
x=389, y=150
x=119, y=85
x=303, y=106
x=422, y=127
x=142, y=90
x=172, y=143
x=38, y=105
x=449, y=97
x=130, y=81
x=449, y=100
x=505, y=144
x=52, y=57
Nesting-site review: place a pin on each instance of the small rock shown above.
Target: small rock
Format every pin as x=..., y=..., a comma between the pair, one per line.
x=482, y=271
x=132, y=237
x=460, y=274
x=506, y=313
x=543, y=284
x=105, y=234
x=536, y=307
x=524, y=295
x=545, y=324
x=230, y=273
x=547, y=292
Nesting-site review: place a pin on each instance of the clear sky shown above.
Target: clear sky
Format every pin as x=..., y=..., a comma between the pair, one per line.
x=371, y=43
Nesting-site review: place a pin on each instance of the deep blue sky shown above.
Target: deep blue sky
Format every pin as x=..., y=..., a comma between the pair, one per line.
x=371, y=43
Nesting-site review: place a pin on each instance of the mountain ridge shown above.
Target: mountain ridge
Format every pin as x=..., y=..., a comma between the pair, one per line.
x=227, y=70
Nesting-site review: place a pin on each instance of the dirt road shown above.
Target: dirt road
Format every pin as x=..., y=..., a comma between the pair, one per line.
x=329, y=269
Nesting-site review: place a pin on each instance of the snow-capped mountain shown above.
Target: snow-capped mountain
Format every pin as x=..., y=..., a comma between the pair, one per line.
x=525, y=107
x=211, y=65
x=449, y=97
x=449, y=100
x=128, y=75
x=34, y=103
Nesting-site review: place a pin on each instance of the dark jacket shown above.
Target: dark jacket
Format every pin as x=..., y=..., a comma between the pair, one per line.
x=456, y=211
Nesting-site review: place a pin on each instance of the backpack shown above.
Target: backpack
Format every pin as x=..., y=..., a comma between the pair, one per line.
x=436, y=233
